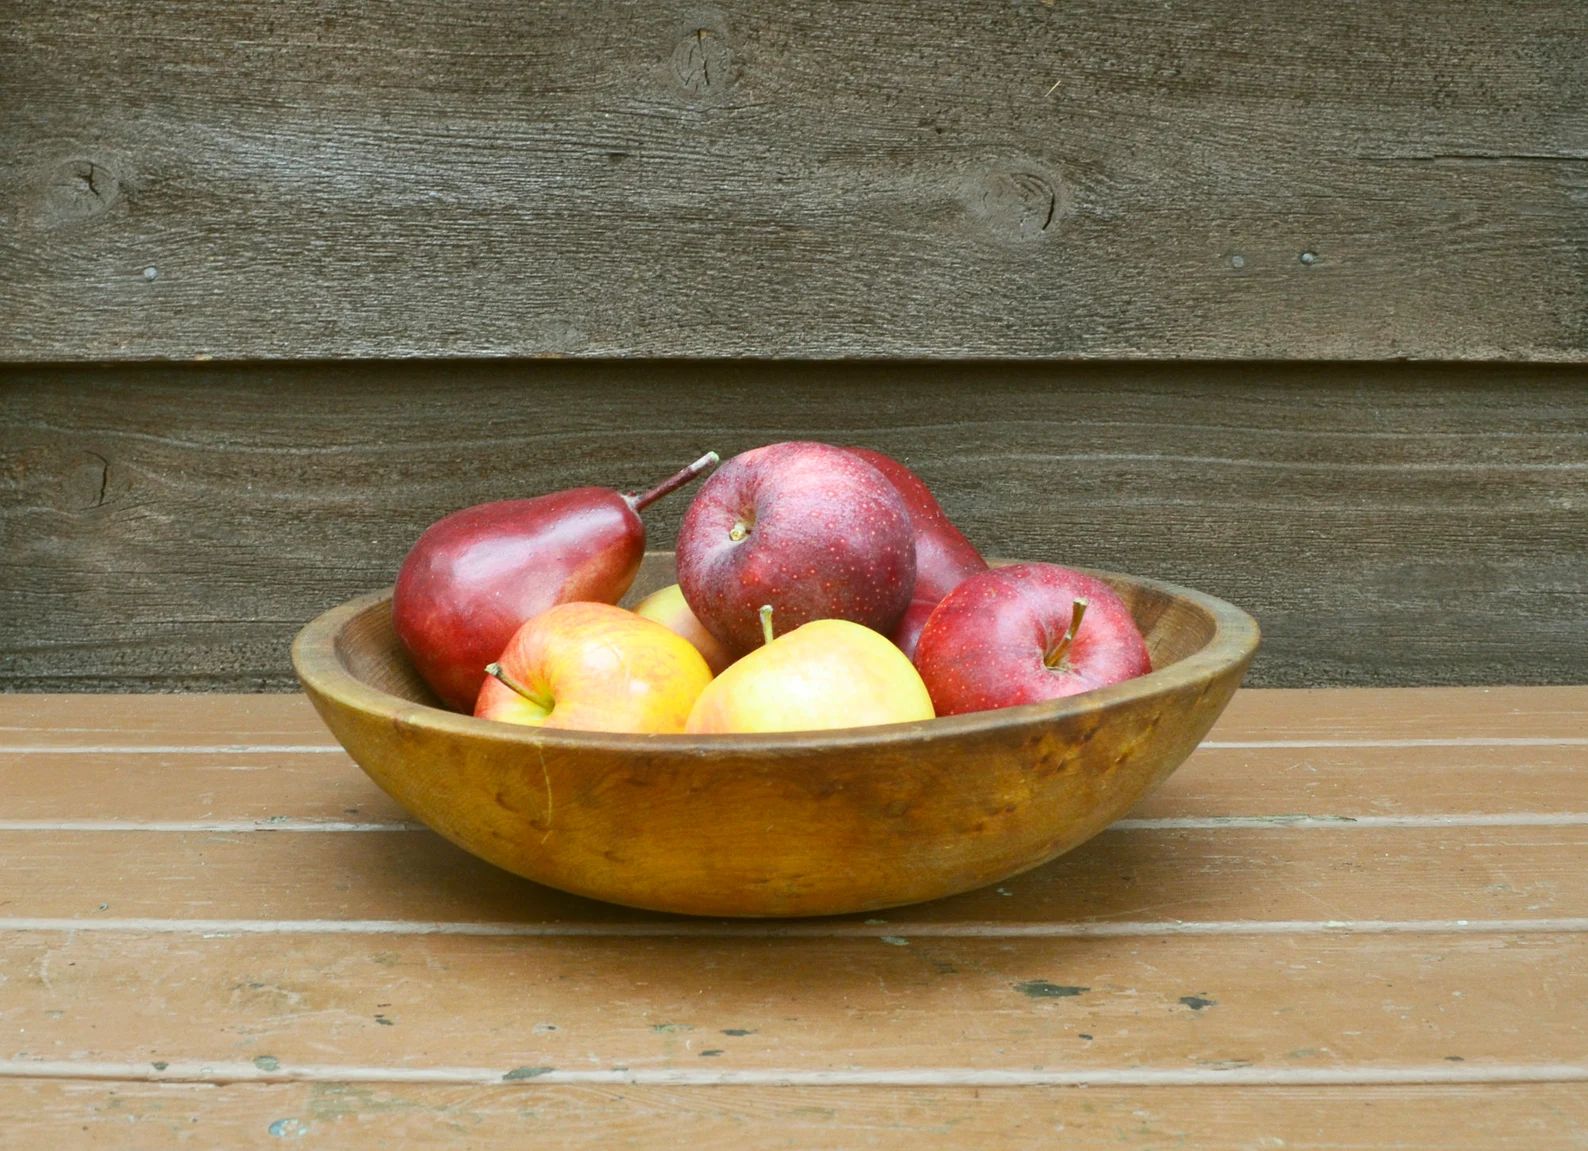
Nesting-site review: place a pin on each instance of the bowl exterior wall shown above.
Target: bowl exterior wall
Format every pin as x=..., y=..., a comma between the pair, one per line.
x=783, y=832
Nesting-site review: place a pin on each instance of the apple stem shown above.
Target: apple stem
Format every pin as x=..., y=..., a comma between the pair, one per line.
x=766, y=622
x=672, y=483
x=1055, y=657
x=497, y=671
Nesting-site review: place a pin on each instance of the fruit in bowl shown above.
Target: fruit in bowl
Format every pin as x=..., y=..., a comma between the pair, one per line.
x=668, y=607
x=792, y=823
x=944, y=558
x=594, y=667
x=475, y=576
x=1024, y=633
x=829, y=673
x=811, y=529
x=812, y=777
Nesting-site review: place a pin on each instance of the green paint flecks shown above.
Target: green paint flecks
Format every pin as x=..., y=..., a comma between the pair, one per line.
x=267, y=1063
x=288, y=1128
x=1198, y=1002
x=671, y=1028
x=518, y=1073
x=894, y=940
x=1042, y=989
x=738, y=1031
x=159, y=1065
x=711, y=1051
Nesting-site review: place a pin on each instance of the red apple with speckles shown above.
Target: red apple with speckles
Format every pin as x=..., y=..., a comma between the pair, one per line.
x=944, y=558
x=812, y=529
x=1026, y=633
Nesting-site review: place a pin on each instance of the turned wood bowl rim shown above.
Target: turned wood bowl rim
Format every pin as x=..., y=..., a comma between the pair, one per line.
x=1233, y=642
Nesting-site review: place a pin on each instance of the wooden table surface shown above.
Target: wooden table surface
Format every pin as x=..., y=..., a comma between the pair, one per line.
x=1354, y=917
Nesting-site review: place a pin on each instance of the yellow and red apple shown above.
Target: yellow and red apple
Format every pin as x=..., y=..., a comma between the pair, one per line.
x=668, y=607
x=594, y=667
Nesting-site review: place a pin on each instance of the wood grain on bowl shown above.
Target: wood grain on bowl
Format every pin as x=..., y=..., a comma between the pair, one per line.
x=811, y=823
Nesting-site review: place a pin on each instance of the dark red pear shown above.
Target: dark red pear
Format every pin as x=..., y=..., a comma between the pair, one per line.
x=476, y=575
x=944, y=558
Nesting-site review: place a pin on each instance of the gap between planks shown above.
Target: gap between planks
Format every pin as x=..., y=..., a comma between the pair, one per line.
x=241, y=1072
x=1211, y=745
x=889, y=931
x=1160, y=823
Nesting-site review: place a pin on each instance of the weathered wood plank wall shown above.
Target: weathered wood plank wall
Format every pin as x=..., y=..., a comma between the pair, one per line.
x=173, y=526
x=1212, y=186
x=281, y=178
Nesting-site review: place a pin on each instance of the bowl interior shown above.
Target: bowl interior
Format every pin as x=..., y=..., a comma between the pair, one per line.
x=1174, y=627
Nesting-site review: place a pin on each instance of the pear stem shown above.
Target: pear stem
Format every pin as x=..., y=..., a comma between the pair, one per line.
x=497, y=671
x=673, y=482
x=1055, y=657
x=766, y=622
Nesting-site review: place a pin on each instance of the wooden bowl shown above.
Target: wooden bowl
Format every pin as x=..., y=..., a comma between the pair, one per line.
x=812, y=823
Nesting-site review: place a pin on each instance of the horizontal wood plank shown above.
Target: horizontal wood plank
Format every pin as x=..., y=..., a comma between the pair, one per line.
x=1308, y=1008
x=1507, y=716
x=153, y=1117
x=1257, y=719
x=1211, y=972
x=882, y=179
x=304, y=790
x=172, y=529
x=1137, y=875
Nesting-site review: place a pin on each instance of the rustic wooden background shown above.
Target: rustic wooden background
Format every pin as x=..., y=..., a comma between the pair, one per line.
x=172, y=527
x=1046, y=252
x=281, y=178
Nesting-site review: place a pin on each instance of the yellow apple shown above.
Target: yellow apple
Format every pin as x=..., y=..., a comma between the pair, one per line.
x=594, y=667
x=829, y=673
x=669, y=608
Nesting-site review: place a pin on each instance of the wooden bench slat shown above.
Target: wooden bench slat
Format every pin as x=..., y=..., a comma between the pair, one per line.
x=287, y=789
x=1229, y=875
x=1511, y=1117
x=1314, y=716
x=1431, y=1007
x=1413, y=713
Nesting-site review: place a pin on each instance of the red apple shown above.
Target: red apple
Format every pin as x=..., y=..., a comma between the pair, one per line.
x=809, y=528
x=1025, y=633
x=944, y=558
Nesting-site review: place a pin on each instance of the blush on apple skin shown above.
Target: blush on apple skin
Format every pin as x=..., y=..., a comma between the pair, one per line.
x=985, y=645
x=814, y=531
x=595, y=667
x=668, y=607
